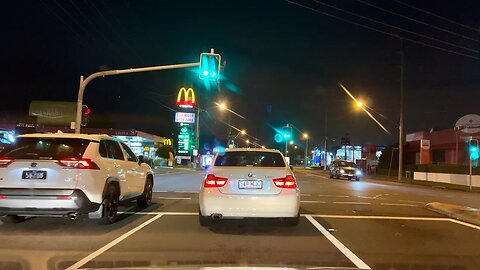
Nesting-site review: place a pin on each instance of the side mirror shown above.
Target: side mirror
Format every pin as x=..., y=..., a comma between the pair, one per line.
x=141, y=159
x=291, y=168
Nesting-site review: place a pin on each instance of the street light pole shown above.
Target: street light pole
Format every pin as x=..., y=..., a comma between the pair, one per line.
x=400, y=129
x=84, y=83
x=306, y=153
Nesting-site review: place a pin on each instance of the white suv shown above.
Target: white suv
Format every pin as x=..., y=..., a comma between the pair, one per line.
x=70, y=174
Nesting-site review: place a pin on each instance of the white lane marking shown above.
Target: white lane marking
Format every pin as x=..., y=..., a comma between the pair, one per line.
x=112, y=243
x=350, y=255
x=408, y=201
x=336, y=196
x=464, y=223
x=162, y=213
x=312, y=201
x=384, y=217
x=399, y=204
x=305, y=194
x=363, y=203
x=173, y=198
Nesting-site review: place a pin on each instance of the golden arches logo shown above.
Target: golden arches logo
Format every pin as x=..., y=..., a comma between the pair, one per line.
x=188, y=97
x=167, y=142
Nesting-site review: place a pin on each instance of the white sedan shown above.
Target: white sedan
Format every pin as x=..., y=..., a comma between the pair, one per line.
x=246, y=182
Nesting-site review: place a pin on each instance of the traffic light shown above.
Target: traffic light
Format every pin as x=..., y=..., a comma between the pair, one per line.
x=85, y=115
x=286, y=133
x=473, y=149
x=209, y=66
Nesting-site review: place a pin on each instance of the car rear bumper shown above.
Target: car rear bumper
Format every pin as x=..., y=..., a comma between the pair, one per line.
x=44, y=202
x=284, y=204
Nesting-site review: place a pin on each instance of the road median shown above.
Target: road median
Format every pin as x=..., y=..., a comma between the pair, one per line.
x=463, y=213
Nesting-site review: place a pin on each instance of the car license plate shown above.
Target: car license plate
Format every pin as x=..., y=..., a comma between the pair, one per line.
x=34, y=174
x=250, y=184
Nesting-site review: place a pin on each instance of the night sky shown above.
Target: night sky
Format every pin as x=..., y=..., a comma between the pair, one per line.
x=283, y=63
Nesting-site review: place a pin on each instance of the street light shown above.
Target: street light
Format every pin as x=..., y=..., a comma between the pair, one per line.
x=359, y=104
x=243, y=132
x=291, y=142
x=248, y=142
x=305, y=136
x=221, y=106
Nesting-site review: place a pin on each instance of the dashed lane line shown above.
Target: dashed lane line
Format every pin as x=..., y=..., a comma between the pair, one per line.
x=359, y=203
x=399, y=204
x=312, y=202
x=335, y=196
x=349, y=254
x=173, y=198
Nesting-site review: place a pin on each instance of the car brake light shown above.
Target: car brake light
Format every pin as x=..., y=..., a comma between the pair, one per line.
x=212, y=181
x=285, y=182
x=78, y=163
x=3, y=197
x=5, y=161
x=63, y=197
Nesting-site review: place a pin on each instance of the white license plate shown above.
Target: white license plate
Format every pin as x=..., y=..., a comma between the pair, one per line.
x=34, y=174
x=249, y=184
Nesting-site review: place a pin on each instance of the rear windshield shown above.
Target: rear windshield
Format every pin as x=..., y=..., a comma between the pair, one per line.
x=45, y=148
x=347, y=164
x=245, y=158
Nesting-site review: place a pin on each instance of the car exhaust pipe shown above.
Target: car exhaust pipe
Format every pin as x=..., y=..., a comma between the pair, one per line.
x=73, y=216
x=216, y=216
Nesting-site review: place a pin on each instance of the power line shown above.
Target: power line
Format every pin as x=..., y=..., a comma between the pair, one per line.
x=418, y=21
x=396, y=27
x=381, y=31
x=438, y=16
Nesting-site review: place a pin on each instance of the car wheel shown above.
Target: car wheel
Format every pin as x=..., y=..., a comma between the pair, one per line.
x=331, y=175
x=13, y=219
x=292, y=221
x=204, y=220
x=357, y=179
x=145, y=199
x=110, y=205
x=337, y=176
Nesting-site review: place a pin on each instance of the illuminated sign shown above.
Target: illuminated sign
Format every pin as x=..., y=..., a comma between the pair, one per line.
x=183, y=117
x=186, y=98
x=184, y=141
x=167, y=142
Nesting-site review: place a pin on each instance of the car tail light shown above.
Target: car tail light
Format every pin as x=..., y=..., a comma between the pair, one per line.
x=285, y=182
x=78, y=163
x=5, y=161
x=63, y=197
x=3, y=197
x=214, y=181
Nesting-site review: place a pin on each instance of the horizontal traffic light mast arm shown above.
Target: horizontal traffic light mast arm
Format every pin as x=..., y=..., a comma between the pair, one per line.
x=83, y=83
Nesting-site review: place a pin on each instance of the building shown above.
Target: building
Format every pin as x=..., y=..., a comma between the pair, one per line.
x=447, y=146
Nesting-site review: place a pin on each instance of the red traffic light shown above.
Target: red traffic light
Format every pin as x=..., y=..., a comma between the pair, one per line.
x=87, y=111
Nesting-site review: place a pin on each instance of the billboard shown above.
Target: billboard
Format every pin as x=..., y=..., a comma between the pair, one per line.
x=53, y=112
x=184, y=117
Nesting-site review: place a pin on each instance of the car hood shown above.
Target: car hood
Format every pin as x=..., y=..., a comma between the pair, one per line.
x=202, y=267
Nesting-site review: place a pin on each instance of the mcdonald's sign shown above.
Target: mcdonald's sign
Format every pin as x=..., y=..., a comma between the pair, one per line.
x=167, y=142
x=186, y=98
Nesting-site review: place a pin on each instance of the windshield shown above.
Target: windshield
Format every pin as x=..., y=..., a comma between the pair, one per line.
x=245, y=158
x=45, y=148
x=317, y=134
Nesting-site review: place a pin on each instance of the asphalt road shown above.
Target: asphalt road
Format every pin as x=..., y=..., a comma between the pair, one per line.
x=367, y=224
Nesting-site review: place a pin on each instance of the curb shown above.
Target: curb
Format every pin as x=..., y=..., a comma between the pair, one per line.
x=463, y=213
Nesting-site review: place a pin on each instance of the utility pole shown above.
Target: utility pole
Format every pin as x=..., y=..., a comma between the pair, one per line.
x=197, y=130
x=400, y=128
x=325, y=142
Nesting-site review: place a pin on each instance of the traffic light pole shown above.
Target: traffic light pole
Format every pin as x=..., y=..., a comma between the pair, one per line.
x=84, y=83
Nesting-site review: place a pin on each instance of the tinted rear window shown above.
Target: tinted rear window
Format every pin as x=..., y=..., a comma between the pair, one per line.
x=45, y=148
x=245, y=158
x=346, y=164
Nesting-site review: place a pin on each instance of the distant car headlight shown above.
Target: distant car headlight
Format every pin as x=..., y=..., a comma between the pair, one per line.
x=358, y=172
x=342, y=171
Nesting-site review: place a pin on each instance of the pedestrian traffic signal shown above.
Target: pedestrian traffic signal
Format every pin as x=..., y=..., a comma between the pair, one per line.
x=473, y=149
x=85, y=115
x=209, y=66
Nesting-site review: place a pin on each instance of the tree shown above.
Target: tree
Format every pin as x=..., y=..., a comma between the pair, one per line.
x=386, y=157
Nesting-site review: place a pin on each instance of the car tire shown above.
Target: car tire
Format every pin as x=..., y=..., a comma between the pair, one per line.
x=357, y=179
x=204, y=220
x=110, y=205
x=292, y=221
x=337, y=176
x=145, y=200
x=12, y=219
x=331, y=175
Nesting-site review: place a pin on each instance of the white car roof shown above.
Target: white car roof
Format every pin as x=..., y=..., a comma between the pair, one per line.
x=94, y=137
x=252, y=150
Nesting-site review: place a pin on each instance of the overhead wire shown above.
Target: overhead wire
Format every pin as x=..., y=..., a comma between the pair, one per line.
x=417, y=21
x=381, y=31
x=396, y=27
x=437, y=16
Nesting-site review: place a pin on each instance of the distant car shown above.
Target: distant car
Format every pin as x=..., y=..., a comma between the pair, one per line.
x=246, y=182
x=68, y=175
x=344, y=168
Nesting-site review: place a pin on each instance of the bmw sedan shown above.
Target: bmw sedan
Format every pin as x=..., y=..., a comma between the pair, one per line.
x=245, y=182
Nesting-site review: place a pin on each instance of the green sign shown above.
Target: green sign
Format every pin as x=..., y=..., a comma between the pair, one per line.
x=185, y=140
x=53, y=112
